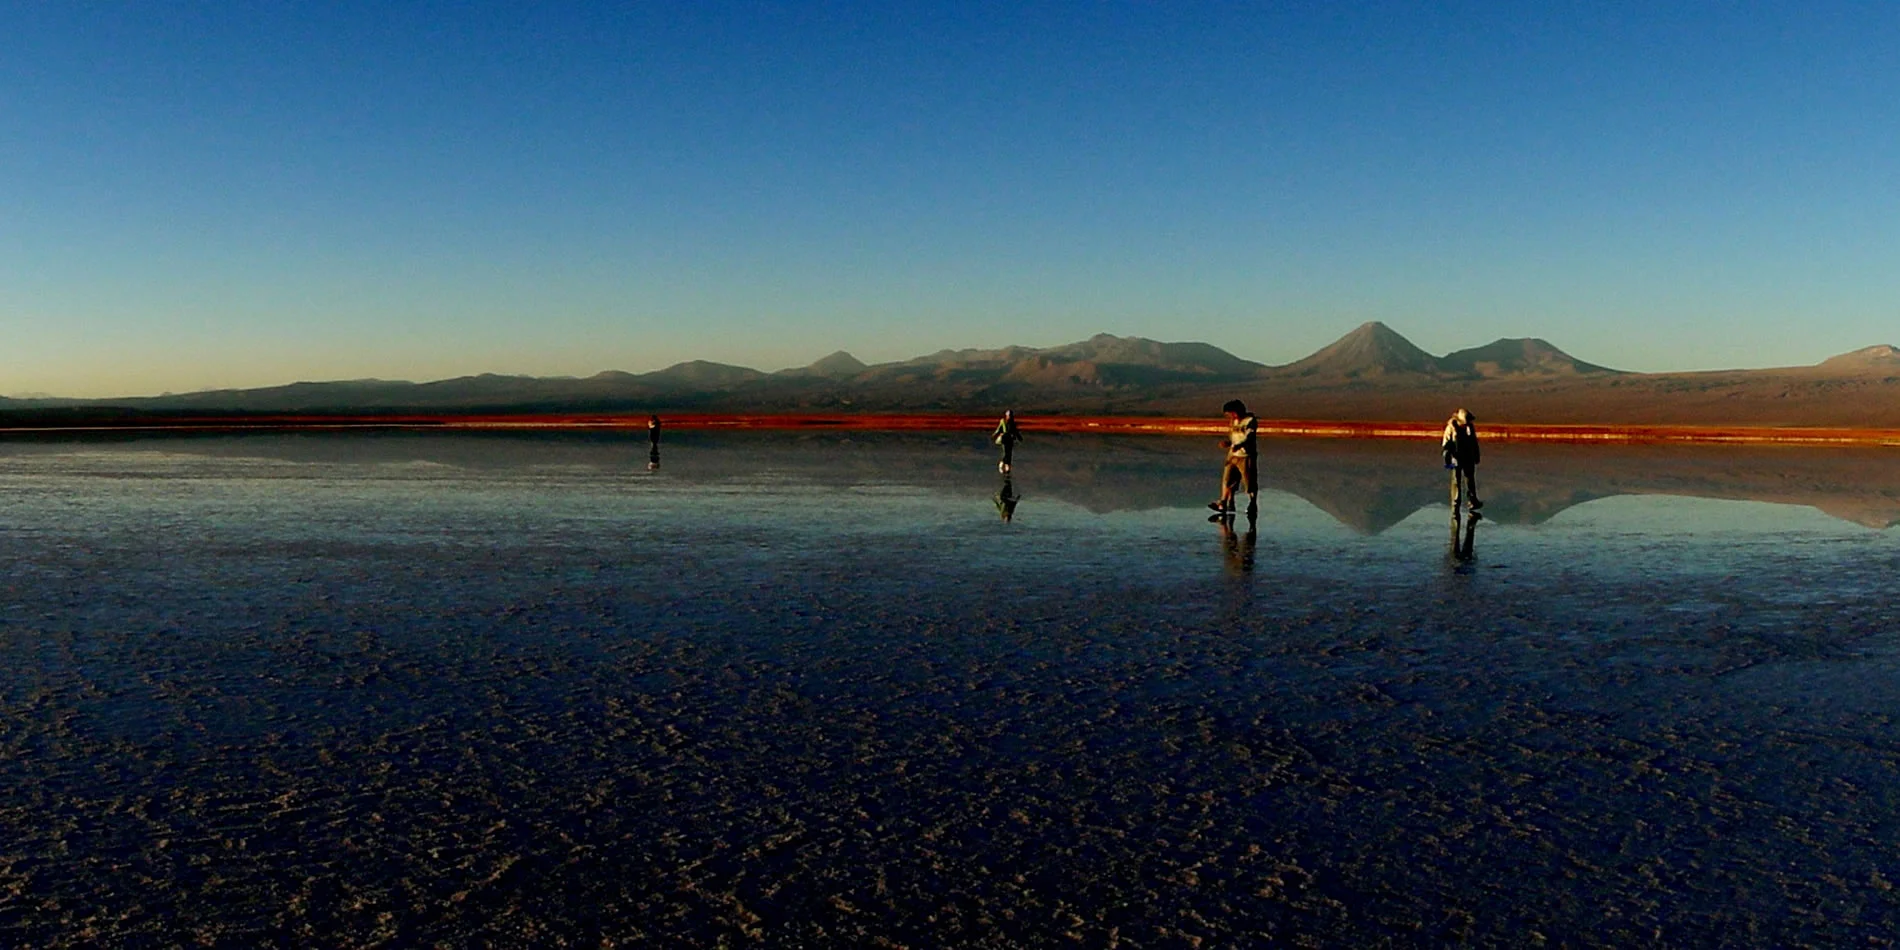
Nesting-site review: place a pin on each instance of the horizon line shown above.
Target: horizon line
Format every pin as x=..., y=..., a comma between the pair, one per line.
x=46, y=397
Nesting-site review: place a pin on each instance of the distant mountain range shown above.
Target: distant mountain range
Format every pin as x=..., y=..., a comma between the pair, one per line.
x=1372, y=373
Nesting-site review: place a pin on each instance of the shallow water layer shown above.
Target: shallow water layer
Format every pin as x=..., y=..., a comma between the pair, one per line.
x=810, y=688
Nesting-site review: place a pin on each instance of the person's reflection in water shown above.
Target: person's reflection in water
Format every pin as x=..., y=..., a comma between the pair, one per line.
x=1464, y=532
x=1238, y=549
x=653, y=459
x=1006, y=499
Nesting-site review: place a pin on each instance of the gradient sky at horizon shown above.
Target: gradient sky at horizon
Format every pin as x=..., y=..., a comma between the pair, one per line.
x=201, y=195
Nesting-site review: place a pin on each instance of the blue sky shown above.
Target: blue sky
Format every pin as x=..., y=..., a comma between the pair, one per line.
x=199, y=195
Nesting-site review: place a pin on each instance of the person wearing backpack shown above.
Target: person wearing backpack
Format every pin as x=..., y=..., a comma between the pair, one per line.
x=1460, y=447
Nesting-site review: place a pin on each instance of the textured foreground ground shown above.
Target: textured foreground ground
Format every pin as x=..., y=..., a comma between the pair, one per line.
x=253, y=692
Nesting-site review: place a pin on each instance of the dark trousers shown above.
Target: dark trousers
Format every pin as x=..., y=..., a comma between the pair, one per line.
x=1464, y=484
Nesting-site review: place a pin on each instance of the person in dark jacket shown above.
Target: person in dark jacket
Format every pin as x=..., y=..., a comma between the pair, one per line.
x=1460, y=446
x=1007, y=435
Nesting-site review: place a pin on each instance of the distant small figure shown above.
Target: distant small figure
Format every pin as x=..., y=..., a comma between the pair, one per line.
x=1006, y=500
x=653, y=442
x=1242, y=465
x=1460, y=447
x=1007, y=435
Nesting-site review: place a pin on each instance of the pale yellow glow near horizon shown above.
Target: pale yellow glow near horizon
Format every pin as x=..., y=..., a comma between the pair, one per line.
x=118, y=374
x=121, y=373
x=34, y=364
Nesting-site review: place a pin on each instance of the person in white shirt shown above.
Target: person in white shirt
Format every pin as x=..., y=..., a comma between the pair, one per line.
x=1242, y=466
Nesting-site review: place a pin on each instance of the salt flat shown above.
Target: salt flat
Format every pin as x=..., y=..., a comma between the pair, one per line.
x=807, y=689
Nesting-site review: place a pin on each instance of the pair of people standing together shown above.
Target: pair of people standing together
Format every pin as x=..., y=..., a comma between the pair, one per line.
x=1459, y=445
x=1242, y=468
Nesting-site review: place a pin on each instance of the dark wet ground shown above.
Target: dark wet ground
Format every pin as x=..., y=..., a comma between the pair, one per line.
x=802, y=691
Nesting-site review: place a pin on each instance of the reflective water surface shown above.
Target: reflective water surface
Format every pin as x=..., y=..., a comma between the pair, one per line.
x=819, y=688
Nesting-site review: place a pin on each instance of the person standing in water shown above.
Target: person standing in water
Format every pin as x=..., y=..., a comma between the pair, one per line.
x=1460, y=447
x=1242, y=465
x=1007, y=435
x=653, y=441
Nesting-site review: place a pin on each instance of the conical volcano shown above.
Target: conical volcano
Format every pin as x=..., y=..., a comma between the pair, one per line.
x=1372, y=350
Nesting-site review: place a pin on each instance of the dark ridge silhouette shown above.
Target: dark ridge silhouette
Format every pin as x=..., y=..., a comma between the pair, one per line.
x=703, y=373
x=1372, y=350
x=1193, y=359
x=1090, y=370
x=1517, y=357
x=839, y=365
x=306, y=396
x=1370, y=374
x=966, y=357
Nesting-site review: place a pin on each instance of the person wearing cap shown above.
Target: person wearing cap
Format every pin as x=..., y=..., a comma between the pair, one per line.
x=1460, y=447
x=1242, y=466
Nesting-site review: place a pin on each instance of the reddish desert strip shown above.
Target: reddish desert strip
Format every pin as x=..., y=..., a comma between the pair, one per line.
x=1121, y=425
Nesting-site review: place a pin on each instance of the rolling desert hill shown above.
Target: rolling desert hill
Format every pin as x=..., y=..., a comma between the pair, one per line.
x=1372, y=373
x=1518, y=358
x=1871, y=359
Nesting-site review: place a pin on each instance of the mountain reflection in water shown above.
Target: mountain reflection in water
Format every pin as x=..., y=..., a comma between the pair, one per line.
x=1369, y=486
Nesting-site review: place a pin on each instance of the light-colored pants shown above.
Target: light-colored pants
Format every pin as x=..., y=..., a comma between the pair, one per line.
x=1242, y=470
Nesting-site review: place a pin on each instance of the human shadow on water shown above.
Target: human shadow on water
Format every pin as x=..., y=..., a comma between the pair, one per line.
x=1464, y=532
x=1237, y=550
x=1006, y=500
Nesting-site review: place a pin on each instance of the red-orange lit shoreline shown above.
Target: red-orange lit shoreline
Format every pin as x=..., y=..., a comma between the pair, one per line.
x=1117, y=425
